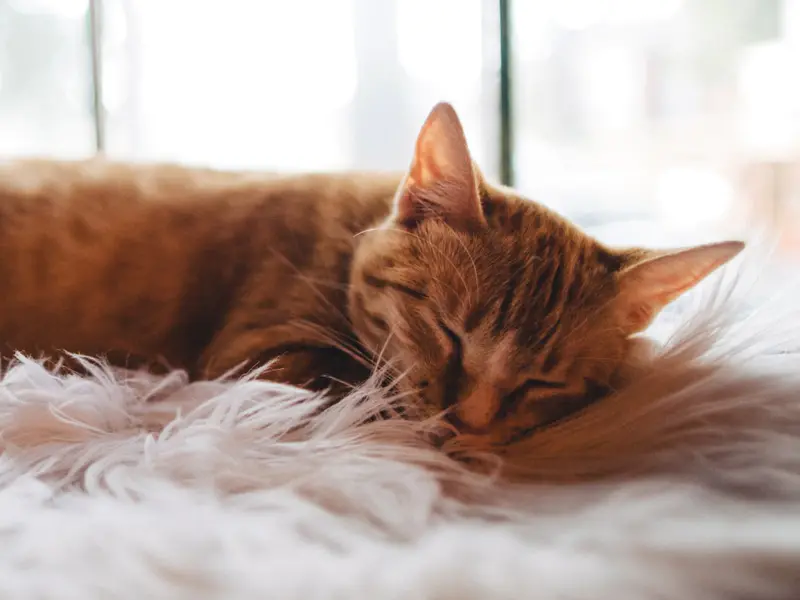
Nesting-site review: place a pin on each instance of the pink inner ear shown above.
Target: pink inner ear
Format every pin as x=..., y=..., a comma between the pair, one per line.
x=646, y=288
x=639, y=315
x=441, y=150
x=425, y=167
x=443, y=200
x=441, y=181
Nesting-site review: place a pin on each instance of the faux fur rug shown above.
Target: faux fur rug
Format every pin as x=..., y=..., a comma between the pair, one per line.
x=685, y=485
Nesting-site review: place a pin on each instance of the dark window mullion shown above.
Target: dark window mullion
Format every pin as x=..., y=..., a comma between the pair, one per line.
x=506, y=101
x=95, y=58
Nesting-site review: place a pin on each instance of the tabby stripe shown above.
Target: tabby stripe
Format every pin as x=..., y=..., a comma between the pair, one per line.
x=548, y=333
x=477, y=316
x=376, y=282
x=544, y=281
x=550, y=361
x=508, y=297
x=566, y=408
x=376, y=321
x=556, y=290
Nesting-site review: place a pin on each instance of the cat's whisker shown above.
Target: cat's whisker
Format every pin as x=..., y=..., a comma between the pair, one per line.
x=409, y=392
x=338, y=341
x=231, y=275
x=467, y=290
x=588, y=317
x=368, y=230
x=439, y=305
x=472, y=263
x=310, y=284
x=328, y=283
x=390, y=364
x=379, y=358
x=399, y=376
x=444, y=256
x=346, y=384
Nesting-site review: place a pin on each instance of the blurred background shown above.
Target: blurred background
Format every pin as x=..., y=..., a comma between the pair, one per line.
x=645, y=121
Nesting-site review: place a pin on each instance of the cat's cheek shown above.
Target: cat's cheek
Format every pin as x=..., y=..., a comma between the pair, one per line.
x=373, y=340
x=372, y=330
x=378, y=340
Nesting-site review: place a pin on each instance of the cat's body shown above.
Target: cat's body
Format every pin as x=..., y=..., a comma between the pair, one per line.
x=181, y=265
x=493, y=309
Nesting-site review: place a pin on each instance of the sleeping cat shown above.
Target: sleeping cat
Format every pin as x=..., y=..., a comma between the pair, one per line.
x=492, y=308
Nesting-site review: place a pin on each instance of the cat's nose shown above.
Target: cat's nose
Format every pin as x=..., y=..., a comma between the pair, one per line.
x=476, y=412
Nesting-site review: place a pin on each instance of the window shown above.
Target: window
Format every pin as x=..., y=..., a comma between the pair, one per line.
x=656, y=110
x=307, y=84
x=45, y=78
x=646, y=121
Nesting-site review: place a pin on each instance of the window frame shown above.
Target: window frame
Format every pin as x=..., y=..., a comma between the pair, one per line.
x=504, y=92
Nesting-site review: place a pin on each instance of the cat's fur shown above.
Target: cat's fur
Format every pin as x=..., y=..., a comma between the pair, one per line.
x=488, y=304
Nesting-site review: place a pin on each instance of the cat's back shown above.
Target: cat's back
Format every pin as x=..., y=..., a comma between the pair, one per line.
x=97, y=253
x=95, y=189
x=83, y=208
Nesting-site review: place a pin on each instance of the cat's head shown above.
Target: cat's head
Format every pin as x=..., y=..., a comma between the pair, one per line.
x=497, y=310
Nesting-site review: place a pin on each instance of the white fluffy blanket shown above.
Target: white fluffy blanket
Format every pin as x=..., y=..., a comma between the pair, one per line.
x=686, y=485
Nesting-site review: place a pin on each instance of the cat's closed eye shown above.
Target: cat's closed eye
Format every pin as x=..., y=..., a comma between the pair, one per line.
x=513, y=400
x=380, y=283
x=557, y=408
x=455, y=341
x=454, y=369
x=540, y=384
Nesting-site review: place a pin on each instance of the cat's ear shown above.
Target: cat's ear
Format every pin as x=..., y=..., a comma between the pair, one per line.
x=649, y=285
x=442, y=182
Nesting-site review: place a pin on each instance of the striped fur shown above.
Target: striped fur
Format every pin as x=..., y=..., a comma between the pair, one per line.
x=456, y=284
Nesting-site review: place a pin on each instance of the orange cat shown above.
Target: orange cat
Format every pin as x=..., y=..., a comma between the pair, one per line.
x=492, y=307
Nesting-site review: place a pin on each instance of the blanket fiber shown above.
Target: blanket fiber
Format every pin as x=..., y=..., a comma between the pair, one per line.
x=684, y=485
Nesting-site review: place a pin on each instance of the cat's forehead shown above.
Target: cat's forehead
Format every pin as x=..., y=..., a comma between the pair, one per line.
x=493, y=357
x=526, y=277
x=504, y=359
x=509, y=213
x=538, y=274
